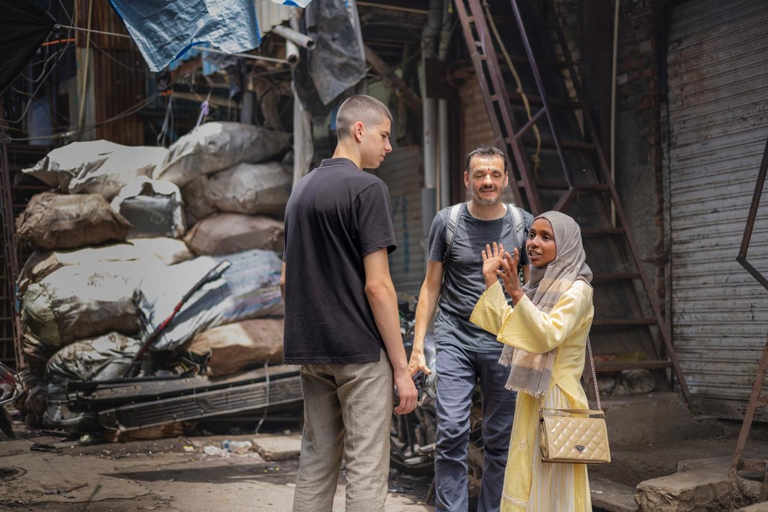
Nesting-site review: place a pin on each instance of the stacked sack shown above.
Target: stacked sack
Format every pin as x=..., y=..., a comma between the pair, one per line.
x=113, y=255
x=234, y=200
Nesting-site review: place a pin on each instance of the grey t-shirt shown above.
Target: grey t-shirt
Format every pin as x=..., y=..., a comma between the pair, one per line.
x=463, y=283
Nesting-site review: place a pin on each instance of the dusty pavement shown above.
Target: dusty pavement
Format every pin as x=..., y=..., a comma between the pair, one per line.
x=160, y=475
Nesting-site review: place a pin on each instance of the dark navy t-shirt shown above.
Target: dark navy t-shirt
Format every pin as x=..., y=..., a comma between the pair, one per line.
x=463, y=282
x=336, y=215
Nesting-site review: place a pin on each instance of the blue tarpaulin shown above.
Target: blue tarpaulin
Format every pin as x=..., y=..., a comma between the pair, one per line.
x=164, y=30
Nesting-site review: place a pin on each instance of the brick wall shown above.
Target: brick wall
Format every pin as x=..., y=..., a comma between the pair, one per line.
x=638, y=128
x=638, y=134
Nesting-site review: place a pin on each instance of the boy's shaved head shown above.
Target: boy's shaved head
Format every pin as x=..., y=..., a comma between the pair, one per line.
x=362, y=108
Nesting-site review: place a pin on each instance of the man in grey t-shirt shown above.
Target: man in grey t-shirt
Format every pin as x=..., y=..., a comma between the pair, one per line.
x=466, y=353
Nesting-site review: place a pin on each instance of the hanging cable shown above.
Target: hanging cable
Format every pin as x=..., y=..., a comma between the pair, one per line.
x=84, y=83
x=164, y=129
x=204, y=109
x=94, y=31
x=266, y=405
x=69, y=133
x=536, y=157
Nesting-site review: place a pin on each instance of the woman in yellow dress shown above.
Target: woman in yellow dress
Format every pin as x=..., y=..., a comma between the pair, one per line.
x=545, y=338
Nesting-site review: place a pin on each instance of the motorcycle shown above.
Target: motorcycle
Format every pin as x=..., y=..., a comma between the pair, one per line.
x=10, y=390
x=413, y=435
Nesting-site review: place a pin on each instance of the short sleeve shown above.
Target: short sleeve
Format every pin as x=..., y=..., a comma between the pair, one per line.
x=437, y=238
x=374, y=221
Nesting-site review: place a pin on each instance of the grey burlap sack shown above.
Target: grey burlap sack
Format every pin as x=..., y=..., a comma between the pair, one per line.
x=83, y=301
x=56, y=221
x=213, y=147
x=96, y=167
x=255, y=189
x=166, y=251
x=104, y=358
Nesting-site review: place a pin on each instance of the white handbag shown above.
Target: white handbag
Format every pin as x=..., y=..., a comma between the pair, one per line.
x=574, y=436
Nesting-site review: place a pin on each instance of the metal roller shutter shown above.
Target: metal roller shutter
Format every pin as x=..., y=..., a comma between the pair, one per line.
x=402, y=172
x=718, y=122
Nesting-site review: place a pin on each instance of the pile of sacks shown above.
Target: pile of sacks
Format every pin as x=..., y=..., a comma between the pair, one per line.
x=129, y=230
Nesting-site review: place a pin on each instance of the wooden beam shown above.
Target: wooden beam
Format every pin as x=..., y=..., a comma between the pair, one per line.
x=396, y=83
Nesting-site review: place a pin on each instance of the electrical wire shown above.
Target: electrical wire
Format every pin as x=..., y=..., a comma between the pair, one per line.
x=45, y=64
x=122, y=115
x=34, y=94
x=84, y=82
x=116, y=61
x=94, y=31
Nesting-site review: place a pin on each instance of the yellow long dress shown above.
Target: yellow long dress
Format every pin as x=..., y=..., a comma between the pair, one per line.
x=556, y=487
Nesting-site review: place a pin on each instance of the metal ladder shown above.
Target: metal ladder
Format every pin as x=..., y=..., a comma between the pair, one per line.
x=567, y=192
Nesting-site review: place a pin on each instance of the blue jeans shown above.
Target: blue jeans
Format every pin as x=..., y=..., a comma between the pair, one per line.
x=457, y=372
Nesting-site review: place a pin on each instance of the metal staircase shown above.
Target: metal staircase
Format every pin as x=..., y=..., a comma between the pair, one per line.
x=547, y=134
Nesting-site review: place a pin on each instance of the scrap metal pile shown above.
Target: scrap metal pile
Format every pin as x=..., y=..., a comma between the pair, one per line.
x=116, y=272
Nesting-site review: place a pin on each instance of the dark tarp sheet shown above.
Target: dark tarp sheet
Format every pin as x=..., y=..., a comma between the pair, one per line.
x=23, y=28
x=335, y=64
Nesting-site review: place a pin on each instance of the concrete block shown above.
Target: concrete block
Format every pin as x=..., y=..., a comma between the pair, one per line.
x=757, y=507
x=704, y=488
x=612, y=496
x=283, y=447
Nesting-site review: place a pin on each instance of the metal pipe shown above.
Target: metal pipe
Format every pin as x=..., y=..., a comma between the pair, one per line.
x=242, y=55
x=291, y=48
x=613, y=104
x=291, y=52
x=392, y=7
x=303, y=147
x=442, y=117
x=294, y=36
x=428, y=39
x=429, y=118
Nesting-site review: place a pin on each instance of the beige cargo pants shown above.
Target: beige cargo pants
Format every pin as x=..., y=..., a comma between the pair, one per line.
x=347, y=413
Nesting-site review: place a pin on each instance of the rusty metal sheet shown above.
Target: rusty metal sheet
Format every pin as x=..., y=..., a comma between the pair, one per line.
x=718, y=80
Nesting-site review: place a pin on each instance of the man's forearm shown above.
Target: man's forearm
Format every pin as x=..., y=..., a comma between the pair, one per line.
x=425, y=311
x=383, y=302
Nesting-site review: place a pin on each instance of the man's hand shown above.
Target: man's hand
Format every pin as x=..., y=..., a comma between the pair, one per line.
x=406, y=390
x=418, y=363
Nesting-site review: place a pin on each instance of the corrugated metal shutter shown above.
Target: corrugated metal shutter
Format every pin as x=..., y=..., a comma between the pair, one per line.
x=402, y=172
x=718, y=123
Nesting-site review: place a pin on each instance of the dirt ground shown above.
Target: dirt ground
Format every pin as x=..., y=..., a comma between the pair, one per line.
x=165, y=475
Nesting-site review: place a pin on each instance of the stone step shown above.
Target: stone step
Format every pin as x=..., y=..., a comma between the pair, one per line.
x=275, y=448
x=631, y=465
x=612, y=496
x=757, y=507
x=702, y=488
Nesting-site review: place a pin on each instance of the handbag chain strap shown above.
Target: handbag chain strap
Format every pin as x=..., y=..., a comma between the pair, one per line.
x=594, y=382
x=594, y=374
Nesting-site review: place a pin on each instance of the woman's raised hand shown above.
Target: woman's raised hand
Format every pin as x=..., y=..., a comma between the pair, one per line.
x=492, y=258
x=508, y=273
